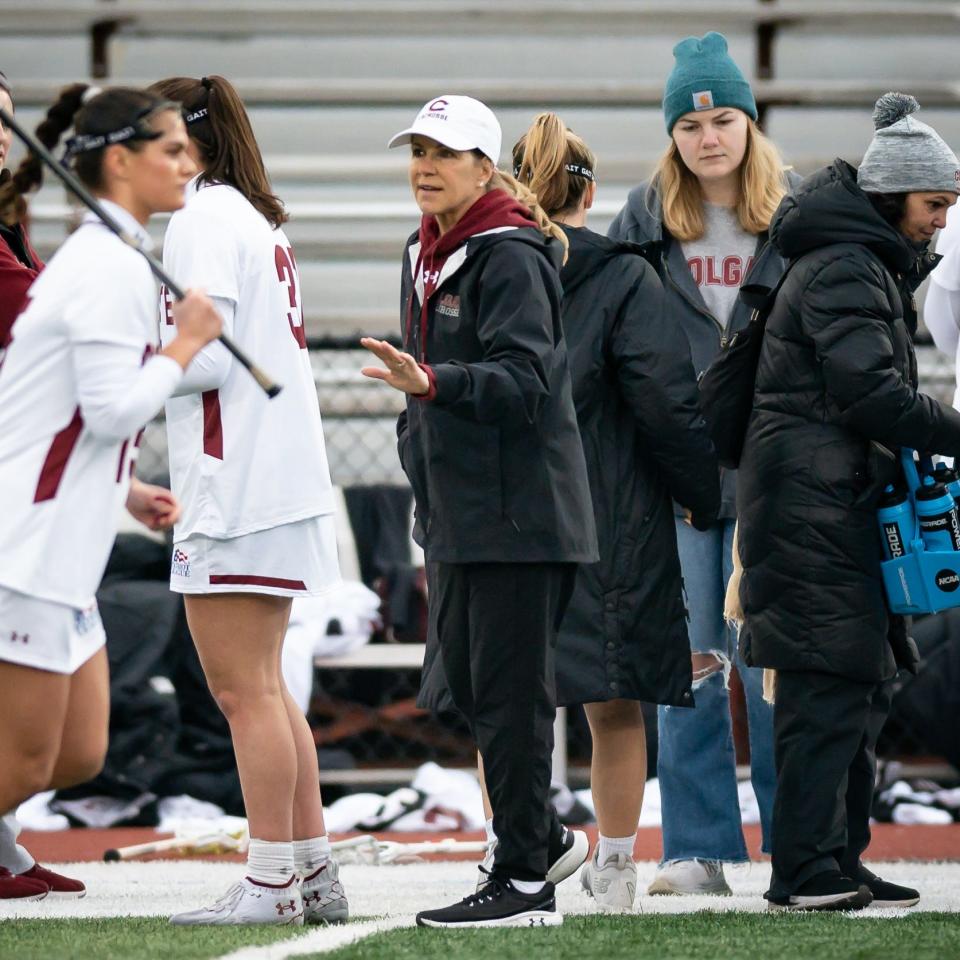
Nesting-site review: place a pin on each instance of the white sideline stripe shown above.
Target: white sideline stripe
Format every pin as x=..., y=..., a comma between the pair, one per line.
x=320, y=940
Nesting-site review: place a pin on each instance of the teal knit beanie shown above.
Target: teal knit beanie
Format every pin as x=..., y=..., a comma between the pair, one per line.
x=705, y=77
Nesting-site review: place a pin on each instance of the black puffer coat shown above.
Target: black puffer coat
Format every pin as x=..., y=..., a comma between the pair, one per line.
x=625, y=633
x=836, y=393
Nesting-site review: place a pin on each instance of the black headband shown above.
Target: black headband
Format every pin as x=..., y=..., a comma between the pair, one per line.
x=577, y=169
x=198, y=113
x=138, y=130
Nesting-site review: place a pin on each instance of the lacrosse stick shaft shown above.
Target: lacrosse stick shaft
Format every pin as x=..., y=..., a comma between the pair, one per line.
x=142, y=849
x=89, y=200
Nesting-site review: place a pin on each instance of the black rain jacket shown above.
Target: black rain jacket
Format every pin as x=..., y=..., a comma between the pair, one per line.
x=495, y=459
x=836, y=397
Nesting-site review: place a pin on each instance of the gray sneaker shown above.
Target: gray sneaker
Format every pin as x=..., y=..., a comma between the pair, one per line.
x=247, y=902
x=323, y=898
x=690, y=876
x=614, y=885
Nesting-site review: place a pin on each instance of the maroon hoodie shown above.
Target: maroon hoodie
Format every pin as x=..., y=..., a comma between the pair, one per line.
x=15, y=280
x=494, y=209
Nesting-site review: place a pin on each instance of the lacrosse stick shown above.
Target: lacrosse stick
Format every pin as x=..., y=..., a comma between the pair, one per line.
x=369, y=850
x=83, y=194
x=214, y=842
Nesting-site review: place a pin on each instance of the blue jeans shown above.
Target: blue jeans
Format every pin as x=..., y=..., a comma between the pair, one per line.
x=696, y=763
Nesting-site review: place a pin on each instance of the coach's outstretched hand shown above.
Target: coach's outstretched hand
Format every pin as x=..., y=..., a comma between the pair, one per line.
x=402, y=373
x=154, y=506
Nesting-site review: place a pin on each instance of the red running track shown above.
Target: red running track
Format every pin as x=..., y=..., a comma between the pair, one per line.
x=890, y=842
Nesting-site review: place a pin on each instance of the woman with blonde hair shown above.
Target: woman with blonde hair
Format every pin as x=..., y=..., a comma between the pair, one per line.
x=624, y=636
x=707, y=208
x=490, y=444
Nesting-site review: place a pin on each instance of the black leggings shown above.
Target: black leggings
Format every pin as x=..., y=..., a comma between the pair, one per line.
x=825, y=737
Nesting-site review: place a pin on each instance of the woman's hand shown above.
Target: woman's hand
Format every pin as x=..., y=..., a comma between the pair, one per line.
x=402, y=373
x=156, y=507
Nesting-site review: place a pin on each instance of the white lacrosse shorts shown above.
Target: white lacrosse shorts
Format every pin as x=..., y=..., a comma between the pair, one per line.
x=292, y=560
x=46, y=635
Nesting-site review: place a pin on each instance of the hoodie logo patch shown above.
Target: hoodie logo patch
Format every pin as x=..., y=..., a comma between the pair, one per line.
x=703, y=100
x=449, y=305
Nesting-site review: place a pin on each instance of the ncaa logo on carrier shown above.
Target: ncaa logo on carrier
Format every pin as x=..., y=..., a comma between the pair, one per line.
x=948, y=580
x=181, y=564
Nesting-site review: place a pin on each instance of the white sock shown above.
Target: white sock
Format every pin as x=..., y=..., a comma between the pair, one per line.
x=12, y=856
x=270, y=862
x=488, y=826
x=310, y=855
x=611, y=846
x=528, y=886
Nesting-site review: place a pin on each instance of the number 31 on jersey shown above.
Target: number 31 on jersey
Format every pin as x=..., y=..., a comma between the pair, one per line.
x=286, y=266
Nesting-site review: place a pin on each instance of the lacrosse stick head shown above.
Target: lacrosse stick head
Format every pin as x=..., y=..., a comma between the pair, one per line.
x=363, y=849
x=197, y=837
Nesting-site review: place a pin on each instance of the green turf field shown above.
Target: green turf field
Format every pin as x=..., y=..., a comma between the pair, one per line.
x=703, y=936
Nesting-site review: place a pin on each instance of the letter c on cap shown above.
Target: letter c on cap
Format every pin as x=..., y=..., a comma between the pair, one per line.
x=437, y=105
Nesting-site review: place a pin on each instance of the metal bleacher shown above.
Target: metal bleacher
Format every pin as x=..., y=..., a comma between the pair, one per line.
x=328, y=81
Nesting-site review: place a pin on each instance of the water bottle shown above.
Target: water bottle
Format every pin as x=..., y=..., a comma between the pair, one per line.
x=937, y=514
x=949, y=477
x=897, y=523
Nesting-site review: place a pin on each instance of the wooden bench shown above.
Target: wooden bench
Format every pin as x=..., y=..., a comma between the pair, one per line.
x=403, y=656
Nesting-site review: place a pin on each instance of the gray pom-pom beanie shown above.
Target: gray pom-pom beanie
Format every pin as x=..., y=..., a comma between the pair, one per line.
x=905, y=155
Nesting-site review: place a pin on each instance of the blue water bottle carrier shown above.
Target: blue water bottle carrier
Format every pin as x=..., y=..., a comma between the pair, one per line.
x=920, y=536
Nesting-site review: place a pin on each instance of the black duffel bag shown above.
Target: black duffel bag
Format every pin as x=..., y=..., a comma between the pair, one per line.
x=727, y=386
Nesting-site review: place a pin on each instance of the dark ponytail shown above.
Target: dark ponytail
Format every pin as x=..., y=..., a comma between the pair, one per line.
x=891, y=206
x=104, y=113
x=217, y=122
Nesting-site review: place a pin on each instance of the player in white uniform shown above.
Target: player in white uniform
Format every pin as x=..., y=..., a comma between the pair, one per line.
x=257, y=527
x=77, y=383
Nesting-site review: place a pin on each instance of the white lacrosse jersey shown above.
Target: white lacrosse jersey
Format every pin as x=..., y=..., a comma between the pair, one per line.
x=239, y=461
x=62, y=486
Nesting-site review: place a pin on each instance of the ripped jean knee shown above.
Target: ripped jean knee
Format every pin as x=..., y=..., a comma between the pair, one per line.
x=716, y=660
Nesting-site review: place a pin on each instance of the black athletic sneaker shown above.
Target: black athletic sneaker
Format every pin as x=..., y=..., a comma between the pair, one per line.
x=886, y=894
x=825, y=891
x=568, y=855
x=497, y=904
x=565, y=855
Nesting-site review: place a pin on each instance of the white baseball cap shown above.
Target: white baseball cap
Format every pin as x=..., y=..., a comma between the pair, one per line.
x=460, y=123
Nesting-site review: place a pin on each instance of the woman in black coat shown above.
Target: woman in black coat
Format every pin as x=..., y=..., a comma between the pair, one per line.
x=624, y=636
x=836, y=397
x=490, y=444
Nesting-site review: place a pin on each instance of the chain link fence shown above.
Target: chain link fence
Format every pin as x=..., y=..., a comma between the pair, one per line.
x=366, y=719
x=360, y=415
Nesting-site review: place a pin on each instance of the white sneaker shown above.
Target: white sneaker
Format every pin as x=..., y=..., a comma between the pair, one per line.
x=323, y=898
x=248, y=902
x=690, y=876
x=614, y=885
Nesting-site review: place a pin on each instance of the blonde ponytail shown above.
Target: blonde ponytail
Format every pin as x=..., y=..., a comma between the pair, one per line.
x=543, y=158
x=501, y=180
